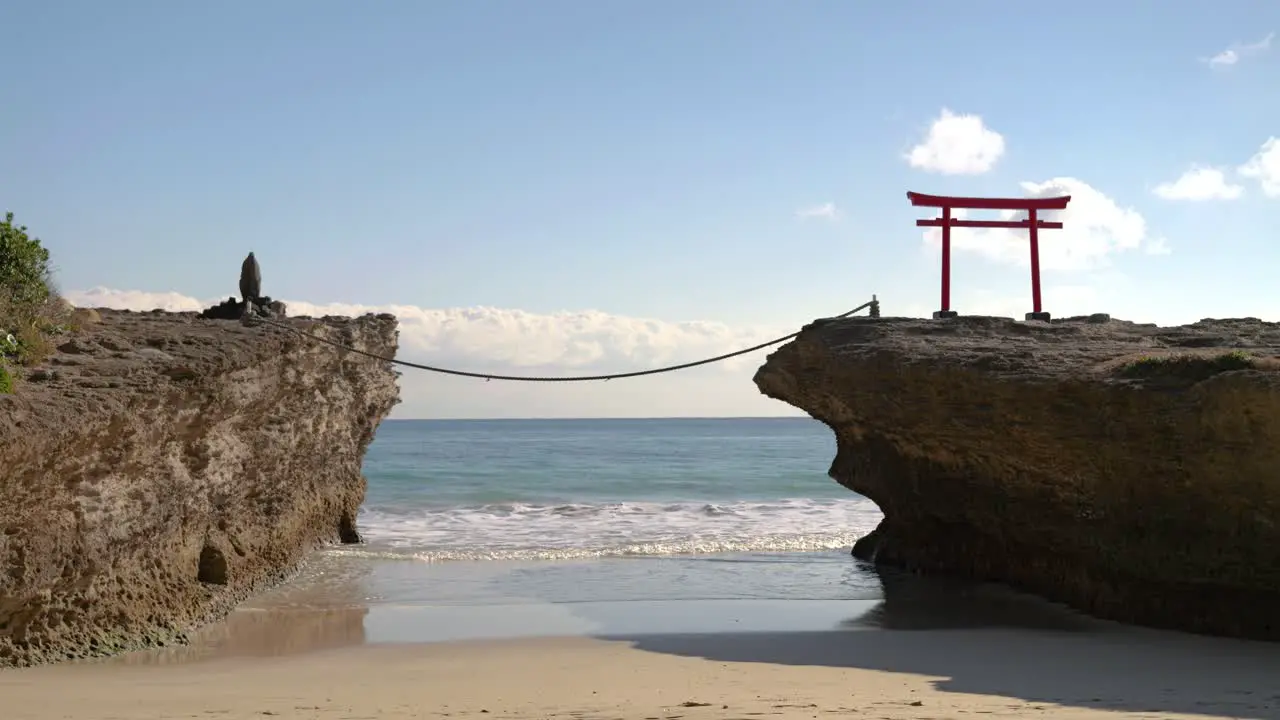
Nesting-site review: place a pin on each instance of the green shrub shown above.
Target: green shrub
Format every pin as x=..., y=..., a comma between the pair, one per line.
x=30, y=311
x=24, y=266
x=6, y=381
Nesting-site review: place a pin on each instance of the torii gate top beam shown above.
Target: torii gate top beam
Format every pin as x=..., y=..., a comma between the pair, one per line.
x=974, y=203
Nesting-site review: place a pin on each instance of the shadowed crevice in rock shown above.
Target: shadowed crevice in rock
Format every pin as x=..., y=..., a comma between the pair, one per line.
x=347, y=532
x=1127, y=470
x=213, y=566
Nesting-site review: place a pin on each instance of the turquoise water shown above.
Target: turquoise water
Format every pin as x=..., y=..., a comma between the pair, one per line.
x=561, y=489
x=563, y=524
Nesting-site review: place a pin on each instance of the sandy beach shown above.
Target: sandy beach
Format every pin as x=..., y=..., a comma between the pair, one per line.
x=875, y=673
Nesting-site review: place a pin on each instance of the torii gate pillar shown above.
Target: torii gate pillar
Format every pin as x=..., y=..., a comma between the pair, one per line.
x=1032, y=224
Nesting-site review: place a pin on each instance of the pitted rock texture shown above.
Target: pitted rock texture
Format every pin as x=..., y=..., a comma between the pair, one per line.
x=1128, y=470
x=160, y=467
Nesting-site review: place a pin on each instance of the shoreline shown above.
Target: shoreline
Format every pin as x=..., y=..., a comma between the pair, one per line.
x=881, y=673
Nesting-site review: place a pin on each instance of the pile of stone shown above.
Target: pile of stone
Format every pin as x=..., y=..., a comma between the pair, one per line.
x=255, y=304
x=233, y=309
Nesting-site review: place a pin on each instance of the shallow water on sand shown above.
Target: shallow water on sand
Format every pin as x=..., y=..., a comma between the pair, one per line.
x=341, y=601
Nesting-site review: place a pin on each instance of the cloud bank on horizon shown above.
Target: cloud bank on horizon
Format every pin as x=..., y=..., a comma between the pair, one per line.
x=516, y=342
x=487, y=339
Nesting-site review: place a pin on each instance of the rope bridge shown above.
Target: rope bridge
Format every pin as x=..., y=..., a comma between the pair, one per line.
x=873, y=305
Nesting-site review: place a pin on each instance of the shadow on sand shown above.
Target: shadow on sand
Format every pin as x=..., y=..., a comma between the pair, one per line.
x=987, y=640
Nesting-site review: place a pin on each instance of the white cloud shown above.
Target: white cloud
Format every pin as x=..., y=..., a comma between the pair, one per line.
x=1237, y=51
x=825, y=211
x=1157, y=246
x=517, y=342
x=1094, y=227
x=1265, y=167
x=957, y=145
x=1199, y=183
x=1060, y=300
x=137, y=300
x=1224, y=59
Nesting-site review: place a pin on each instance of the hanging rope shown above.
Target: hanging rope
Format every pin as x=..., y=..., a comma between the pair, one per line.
x=873, y=304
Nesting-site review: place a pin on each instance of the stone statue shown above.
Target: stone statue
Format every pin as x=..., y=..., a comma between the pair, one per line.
x=250, y=280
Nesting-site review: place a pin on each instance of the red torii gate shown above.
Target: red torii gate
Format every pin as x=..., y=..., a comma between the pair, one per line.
x=1033, y=225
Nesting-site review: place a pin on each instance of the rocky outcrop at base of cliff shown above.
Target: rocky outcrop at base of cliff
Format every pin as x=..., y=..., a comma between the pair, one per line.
x=160, y=467
x=1128, y=470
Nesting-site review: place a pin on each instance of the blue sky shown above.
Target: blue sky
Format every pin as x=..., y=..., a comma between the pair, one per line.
x=557, y=186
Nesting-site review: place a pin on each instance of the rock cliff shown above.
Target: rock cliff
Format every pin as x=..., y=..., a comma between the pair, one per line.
x=1128, y=470
x=160, y=467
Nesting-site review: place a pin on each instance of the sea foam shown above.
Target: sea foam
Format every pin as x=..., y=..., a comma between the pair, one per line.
x=525, y=531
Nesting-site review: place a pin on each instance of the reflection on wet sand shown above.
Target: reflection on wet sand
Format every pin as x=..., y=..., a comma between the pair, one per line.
x=915, y=602
x=263, y=633
x=323, y=608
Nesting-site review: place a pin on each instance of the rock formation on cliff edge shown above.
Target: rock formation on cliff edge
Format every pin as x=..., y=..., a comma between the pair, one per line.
x=160, y=467
x=1128, y=470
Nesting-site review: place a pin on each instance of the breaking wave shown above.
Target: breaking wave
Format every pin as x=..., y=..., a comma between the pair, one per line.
x=520, y=531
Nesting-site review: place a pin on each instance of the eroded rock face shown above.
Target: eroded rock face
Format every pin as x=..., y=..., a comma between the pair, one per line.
x=1128, y=470
x=160, y=467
